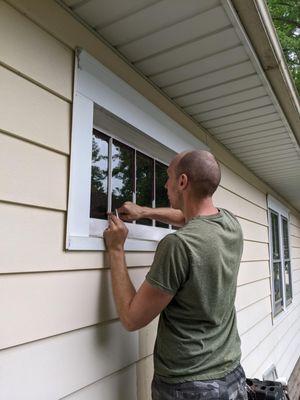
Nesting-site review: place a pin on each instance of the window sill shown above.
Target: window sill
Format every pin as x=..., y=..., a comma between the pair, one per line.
x=90, y=243
x=278, y=318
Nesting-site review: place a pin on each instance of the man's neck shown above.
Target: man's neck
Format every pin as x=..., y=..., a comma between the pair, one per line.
x=196, y=208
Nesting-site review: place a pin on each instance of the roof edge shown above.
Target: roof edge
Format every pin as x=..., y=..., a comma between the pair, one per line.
x=259, y=27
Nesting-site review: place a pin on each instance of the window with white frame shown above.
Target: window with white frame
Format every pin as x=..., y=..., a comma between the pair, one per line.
x=121, y=147
x=121, y=173
x=279, y=256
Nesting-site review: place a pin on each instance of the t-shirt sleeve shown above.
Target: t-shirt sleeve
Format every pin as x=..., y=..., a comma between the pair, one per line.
x=170, y=266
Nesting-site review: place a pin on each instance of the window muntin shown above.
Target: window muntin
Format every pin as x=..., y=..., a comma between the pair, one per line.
x=280, y=261
x=122, y=173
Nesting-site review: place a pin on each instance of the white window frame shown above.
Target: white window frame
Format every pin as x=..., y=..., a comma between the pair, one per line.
x=282, y=211
x=98, y=90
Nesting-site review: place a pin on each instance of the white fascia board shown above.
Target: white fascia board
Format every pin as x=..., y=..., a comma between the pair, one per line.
x=106, y=89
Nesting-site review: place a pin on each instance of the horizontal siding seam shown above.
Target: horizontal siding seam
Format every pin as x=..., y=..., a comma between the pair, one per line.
x=34, y=143
x=30, y=205
x=99, y=380
x=254, y=222
x=255, y=241
x=103, y=323
x=250, y=305
x=253, y=302
x=54, y=271
x=35, y=82
x=115, y=373
x=256, y=323
x=269, y=333
x=295, y=225
x=297, y=331
x=241, y=197
x=257, y=280
x=42, y=271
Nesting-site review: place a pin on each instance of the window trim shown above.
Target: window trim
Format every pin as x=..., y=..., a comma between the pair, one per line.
x=96, y=86
x=282, y=212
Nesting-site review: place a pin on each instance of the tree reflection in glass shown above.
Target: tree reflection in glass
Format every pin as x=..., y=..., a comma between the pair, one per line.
x=122, y=174
x=161, y=197
x=287, y=263
x=99, y=178
x=277, y=279
x=275, y=236
x=144, y=183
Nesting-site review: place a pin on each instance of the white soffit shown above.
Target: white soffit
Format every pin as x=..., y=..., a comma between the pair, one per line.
x=198, y=54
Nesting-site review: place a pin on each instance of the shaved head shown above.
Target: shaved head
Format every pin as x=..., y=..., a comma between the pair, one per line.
x=202, y=169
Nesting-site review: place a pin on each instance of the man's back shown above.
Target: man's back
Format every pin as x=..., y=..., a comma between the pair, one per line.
x=197, y=336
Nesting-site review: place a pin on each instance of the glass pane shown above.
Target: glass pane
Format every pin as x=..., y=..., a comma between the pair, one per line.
x=275, y=236
x=161, y=197
x=99, y=179
x=285, y=234
x=277, y=279
x=122, y=174
x=288, y=281
x=144, y=183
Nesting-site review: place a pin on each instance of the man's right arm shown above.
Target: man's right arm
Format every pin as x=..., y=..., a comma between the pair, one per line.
x=131, y=212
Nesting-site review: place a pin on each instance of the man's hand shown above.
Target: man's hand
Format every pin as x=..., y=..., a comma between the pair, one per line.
x=130, y=211
x=115, y=234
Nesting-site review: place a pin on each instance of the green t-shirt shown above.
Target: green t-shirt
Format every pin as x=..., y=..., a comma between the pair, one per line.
x=197, y=336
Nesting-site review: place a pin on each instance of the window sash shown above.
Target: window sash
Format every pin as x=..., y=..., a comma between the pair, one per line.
x=279, y=249
x=97, y=225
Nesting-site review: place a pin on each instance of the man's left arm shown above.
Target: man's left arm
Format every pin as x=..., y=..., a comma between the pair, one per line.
x=135, y=309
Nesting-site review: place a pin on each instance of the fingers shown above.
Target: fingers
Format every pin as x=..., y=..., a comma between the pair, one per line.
x=114, y=222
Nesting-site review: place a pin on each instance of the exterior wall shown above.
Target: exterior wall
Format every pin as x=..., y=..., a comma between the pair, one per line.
x=60, y=335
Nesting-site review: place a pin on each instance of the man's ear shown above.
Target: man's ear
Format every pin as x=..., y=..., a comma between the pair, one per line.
x=183, y=181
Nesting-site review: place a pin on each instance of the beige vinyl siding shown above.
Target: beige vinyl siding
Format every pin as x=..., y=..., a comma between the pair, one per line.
x=29, y=50
x=120, y=385
x=281, y=342
x=30, y=101
x=72, y=360
x=32, y=175
x=69, y=300
x=35, y=238
x=59, y=319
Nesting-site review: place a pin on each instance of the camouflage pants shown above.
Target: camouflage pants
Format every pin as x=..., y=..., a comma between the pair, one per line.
x=231, y=387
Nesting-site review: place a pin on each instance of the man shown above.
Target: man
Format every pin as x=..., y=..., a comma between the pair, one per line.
x=191, y=284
